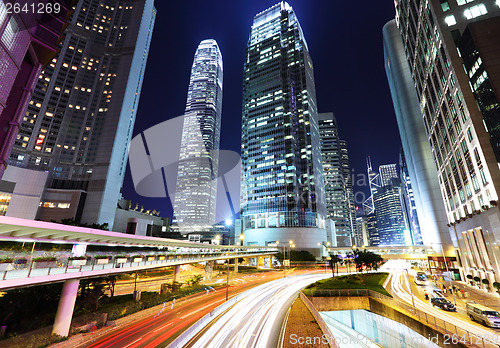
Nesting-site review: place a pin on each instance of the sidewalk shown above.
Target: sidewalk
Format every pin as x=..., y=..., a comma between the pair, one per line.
x=481, y=296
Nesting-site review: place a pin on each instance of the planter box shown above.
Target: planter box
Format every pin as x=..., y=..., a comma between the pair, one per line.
x=151, y=258
x=137, y=259
x=77, y=262
x=6, y=267
x=121, y=260
x=161, y=258
x=102, y=261
x=44, y=264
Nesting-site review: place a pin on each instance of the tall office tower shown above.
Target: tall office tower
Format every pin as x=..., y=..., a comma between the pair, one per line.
x=28, y=42
x=196, y=188
x=338, y=186
x=408, y=201
x=374, y=184
x=391, y=224
x=371, y=227
x=420, y=163
x=80, y=119
x=457, y=120
x=387, y=172
x=350, y=207
x=282, y=185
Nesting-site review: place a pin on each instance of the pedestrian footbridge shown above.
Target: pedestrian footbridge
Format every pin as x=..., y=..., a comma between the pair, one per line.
x=24, y=269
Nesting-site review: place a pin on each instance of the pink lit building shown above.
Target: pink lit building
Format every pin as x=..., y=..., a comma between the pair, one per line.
x=29, y=40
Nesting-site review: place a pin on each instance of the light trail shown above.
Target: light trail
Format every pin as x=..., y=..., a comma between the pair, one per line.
x=401, y=291
x=255, y=321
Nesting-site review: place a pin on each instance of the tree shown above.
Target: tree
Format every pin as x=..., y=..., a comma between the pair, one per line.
x=334, y=263
x=195, y=280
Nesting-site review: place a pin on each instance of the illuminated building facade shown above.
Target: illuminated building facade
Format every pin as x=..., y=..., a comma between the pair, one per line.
x=28, y=42
x=450, y=76
x=282, y=184
x=408, y=202
x=196, y=188
x=79, y=121
x=338, y=183
x=387, y=172
x=391, y=224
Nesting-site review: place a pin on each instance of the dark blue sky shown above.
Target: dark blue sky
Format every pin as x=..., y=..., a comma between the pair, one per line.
x=345, y=43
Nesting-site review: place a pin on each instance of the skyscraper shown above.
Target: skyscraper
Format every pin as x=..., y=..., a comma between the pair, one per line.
x=419, y=159
x=196, y=188
x=28, y=42
x=338, y=182
x=459, y=132
x=282, y=184
x=391, y=225
x=408, y=201
x=387, y=172
x=80, y=119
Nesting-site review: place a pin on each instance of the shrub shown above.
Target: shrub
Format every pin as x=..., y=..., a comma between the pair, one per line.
x=485, y=282
x=77, y=258
x=496, y=285
x=45, y=259
x=468, y=276
x=477, y=279
x=101, y=257
x=6, y=260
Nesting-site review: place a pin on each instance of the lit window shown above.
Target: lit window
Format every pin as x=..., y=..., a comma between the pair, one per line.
x=463, y=2
x=63, y=205
x=450, y=20
x=475, y=11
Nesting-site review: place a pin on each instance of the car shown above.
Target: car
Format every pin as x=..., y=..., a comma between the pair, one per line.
x=420, y=279
x=443, y=303
x=482, y=314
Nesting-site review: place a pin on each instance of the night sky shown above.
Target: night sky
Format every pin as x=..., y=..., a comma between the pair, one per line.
x=345, y=43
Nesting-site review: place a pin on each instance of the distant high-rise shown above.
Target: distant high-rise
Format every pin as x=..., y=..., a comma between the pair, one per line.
x=452, y=62
x=282, y=184
x=80, y=119
x=387, y=172
x=371, y=228
x=391, y=226
x=196, y=188
x=338, y=182
x=408, y=201
x=28, y=42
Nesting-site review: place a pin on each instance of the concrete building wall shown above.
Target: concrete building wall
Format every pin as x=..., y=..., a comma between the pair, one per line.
x=27, y=193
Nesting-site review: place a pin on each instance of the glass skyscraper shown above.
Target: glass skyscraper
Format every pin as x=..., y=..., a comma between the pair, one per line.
x=451, y=74
x=338, y=182
x=79, y=122
x=196, y=188
x=28, y=42
x=282, y=183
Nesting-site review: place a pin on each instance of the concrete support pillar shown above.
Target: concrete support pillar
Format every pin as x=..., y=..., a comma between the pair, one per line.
x=236, y=265
x=209, y=268
x=260, y=262
x=65, y=309
x=177, y=270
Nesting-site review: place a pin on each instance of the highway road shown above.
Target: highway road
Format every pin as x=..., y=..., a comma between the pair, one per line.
x=257, y=319
x=400, y=288
x=161, y=327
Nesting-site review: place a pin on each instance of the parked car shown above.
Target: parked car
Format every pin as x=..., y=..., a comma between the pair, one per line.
x=443, y=303
x=482, y=314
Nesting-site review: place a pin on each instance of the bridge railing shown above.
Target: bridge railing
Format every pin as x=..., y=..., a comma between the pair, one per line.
x=33, y=266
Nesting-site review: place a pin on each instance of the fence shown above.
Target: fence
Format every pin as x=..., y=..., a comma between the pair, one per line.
x=452, y=334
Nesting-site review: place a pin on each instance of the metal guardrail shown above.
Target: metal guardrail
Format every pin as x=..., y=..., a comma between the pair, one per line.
x=452, y=334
